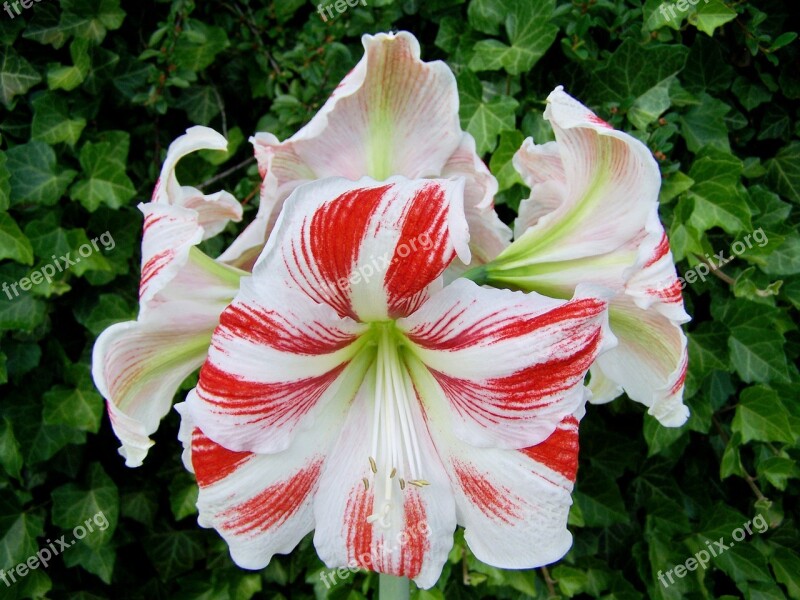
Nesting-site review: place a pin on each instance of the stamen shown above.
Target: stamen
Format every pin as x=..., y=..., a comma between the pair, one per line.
x=366, y=483
x=393, y=473
x=402, y=483
x=373, y=465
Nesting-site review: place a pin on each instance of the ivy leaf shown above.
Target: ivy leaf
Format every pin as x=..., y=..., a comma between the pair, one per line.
x=783, y=172
x=17, y=76
x=60, y=77
x=18, y=531
x=174, y=552
x=719, y=200
x=45, y=26
x=710, y=15
x=484, y=120
x=633, y=69
x=10, y=454
x=531, y=34
x=761, y=416
x=95, y=506
x=78, y=408
x=104, y=179
x=35, y=177
x=502, y=165
x=5, y=186
x=198, y=46
x=704, y=125
x=600, y=501
x=13, y=243
x=91, y=19
x=98, y=561
x=51, y=122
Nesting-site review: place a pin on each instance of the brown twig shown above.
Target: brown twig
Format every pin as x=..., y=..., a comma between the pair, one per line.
x=549, y=582
x=224, y=174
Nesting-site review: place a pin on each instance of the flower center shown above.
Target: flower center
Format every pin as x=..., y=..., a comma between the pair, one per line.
x=395, y=460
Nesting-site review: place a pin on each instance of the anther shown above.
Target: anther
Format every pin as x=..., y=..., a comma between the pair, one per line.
x=402, y=483
x=366, y=483
x=373, y=465
x=393, y=473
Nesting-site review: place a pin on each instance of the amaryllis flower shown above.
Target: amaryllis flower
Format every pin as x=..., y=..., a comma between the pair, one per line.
x=347, y=392
x=139, y=365
x=593, y=217
x=393, y=114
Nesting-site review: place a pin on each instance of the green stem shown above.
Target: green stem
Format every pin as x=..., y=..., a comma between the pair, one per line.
x=477, y=274
x=392, y=588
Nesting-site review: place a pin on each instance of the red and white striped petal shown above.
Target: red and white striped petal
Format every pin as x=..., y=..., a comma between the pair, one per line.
x=369, y=250
x=138, y=366
x=369, y=519
x=508, y=366
x=261, y=504
x=514, y=504
x=610, y=185
x=276, y=359
x=650, y=361
x=393, y=114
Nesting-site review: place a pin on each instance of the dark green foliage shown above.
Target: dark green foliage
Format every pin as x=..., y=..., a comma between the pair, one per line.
x=93, y=91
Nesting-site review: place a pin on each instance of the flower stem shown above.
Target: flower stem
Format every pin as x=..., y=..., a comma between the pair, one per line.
x=392, y=588
x=477, y=274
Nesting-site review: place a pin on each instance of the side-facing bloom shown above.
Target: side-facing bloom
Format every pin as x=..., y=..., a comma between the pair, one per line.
x=593, y=217
x=347, y=392
x=139, y=365
x=393, y=114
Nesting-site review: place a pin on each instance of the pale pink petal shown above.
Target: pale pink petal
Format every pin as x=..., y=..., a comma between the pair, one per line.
x=508, y=366
x=650, y=361
x=611, y=184
x=392, y=115
x=215, y=210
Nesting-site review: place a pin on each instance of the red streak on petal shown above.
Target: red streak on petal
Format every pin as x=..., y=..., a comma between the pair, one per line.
x=417, y=544
x=493, y=501
x=682, y=377
x=357, y=532
x=212, y=462
x=495, y=327
x=270, y=328
x=337, y=232
x=659, y=252
x=515, y=396
x=592, y=118
x=155, y=190
x=422, y=252
x=559, y=452
x=153, y=267
x=268, y=402
x=275, y=505
x=672, y=293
